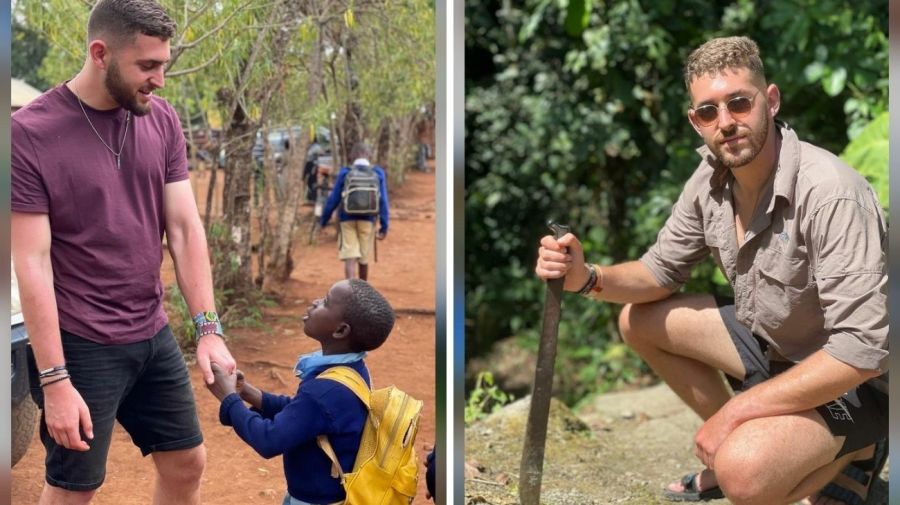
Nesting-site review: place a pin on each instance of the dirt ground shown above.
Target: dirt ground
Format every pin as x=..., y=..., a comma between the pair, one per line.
x=618, y=448
x=235, y=474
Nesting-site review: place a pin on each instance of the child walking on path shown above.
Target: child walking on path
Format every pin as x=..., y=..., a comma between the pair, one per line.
x=352, y=319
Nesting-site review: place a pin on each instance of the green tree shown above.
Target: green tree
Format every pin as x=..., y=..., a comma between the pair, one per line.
x=28, y=49
x=259, y=65
x=577, y=110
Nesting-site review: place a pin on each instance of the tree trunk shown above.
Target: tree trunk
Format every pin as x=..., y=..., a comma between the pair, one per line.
x=282, y=263
x=233, y=272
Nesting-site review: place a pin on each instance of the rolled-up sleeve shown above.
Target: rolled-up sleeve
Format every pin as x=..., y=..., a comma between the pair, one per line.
x=847, y=234
x=680, y=244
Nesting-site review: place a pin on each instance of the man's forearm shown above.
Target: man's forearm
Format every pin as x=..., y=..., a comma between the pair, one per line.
x=38, y=299
x=192, y=270
x=815, y=381
x=629, y=282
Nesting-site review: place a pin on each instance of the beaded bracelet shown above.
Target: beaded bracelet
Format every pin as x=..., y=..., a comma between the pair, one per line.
x=207, y=323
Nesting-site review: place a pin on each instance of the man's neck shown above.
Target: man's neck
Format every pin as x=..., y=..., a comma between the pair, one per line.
x=91, y=91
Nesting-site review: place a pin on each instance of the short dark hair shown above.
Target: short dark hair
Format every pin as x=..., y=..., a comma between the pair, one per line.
x=360, y=150
x=122, y=20
x=723, y=53
x=369, y=315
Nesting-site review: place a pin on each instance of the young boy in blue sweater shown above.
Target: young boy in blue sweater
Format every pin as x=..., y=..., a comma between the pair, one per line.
x=352, y=319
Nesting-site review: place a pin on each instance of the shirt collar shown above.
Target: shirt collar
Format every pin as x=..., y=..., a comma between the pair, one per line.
x=785, y=172
x=361, y=161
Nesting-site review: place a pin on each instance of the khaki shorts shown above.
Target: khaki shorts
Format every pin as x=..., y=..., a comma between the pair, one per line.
x=357, y=237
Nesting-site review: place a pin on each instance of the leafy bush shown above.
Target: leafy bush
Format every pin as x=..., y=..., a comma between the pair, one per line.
x=576, y=110
x=484, y=398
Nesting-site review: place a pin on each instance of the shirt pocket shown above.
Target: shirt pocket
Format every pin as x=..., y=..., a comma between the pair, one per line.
x=782, y=288
x=714, y=239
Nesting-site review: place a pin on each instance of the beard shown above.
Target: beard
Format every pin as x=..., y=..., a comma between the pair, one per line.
x=756, y=140
x=122, y=93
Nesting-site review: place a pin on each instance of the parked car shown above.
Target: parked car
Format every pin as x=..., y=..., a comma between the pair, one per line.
x=24, y=411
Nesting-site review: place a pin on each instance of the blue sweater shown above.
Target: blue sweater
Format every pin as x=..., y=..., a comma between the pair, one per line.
x=289, y=426
x=334, y=201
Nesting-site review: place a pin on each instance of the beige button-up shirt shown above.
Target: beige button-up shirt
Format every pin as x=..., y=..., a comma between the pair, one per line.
x=811, y=272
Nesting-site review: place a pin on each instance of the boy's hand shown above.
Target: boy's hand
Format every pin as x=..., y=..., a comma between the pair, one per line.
x=223, y=384
x=239, y=383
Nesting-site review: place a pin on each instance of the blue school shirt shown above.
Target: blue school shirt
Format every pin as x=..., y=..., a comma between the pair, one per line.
x=289, y=426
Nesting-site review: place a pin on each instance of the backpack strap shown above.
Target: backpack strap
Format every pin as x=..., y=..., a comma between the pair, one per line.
x=325, y=445
x=351, y=379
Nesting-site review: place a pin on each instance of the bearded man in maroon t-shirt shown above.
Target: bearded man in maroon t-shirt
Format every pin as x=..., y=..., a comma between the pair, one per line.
x=99, y=174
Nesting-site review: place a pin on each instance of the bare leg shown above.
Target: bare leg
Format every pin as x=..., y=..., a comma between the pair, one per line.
x=52, y=495
x=684, y=340
x=178, y=476
x=844, y=481
x=350, y=268
x=779, y=460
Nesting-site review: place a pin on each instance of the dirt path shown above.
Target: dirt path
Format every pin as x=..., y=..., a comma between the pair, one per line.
x=235, y=474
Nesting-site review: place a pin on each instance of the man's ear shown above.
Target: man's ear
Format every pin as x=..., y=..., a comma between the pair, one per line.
x=99, y=53
x=773, y=96
x=342, y=331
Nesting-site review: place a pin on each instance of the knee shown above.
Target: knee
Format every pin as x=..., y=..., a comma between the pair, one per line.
x=52, y=495
x=184, y=468
x=742, y=478
x=633, y=325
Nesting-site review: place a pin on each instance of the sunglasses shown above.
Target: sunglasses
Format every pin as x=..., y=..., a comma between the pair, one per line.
x=738, y=107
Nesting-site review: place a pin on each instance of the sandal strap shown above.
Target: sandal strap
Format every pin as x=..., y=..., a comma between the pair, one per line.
x=689, y=482
x=864, y=472
x=857, y=473
x=842, y=494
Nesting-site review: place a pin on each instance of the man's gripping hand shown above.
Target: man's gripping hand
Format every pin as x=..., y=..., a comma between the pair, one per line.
x=563, y=257
x=212, y=349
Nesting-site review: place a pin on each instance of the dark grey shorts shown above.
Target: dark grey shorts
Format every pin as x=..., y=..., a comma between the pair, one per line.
x=144, y=385
x=860, y=415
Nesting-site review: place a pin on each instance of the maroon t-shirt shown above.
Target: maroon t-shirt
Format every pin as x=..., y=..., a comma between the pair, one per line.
x=106, y=223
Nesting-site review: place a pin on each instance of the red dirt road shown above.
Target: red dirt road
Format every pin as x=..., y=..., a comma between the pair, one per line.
x=235, y=474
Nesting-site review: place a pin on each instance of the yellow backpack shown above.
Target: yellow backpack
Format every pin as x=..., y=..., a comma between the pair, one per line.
x=386, y=468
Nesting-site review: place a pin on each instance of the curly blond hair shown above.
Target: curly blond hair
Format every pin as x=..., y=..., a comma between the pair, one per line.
x=720, y=54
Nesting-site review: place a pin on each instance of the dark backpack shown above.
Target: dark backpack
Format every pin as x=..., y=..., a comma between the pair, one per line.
x=362, y=191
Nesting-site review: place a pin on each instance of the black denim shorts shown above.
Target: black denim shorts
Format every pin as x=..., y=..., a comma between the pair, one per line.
x=145, y=386
x=860, y=415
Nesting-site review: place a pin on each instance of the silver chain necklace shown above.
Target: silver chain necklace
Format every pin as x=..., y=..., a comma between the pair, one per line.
x=118, y=155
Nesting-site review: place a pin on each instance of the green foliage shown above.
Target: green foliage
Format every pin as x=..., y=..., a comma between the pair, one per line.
x=868, y=154
x=236, y=316
x=28, y=49
x=589, y=126
x=180, y=318
x=246, y=309
x=485, y=398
